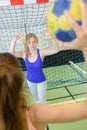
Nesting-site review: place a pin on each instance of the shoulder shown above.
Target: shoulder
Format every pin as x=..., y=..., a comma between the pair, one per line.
x=33, y=115
x=38, y=112
x=42, y=113
x=35, y=111
x=31, y=111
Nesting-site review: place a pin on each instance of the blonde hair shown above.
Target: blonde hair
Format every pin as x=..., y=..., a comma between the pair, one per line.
x=12, y=101
x=28, y=36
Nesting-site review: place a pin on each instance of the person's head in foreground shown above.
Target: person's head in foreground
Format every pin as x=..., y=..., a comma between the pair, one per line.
x=14, y=115
x=11, y=99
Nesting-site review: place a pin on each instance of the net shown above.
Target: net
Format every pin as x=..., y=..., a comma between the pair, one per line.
x=32, y=18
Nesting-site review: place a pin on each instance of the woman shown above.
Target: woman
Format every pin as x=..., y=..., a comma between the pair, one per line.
x=33, y=58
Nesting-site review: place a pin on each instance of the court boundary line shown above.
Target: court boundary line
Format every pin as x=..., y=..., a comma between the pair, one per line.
x=70, y=101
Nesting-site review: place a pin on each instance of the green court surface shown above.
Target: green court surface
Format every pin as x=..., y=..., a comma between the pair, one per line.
x=65, y=85
x=66, y=93
x=78, y=125
x=61, y=95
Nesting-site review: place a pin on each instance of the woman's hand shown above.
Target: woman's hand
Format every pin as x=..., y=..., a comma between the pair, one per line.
x=47, y=35
x=18, y=37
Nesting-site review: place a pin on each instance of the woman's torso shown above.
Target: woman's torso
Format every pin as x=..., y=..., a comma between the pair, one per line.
x=34, y=69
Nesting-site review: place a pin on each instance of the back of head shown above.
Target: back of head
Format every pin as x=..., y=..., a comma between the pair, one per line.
x=11, y=99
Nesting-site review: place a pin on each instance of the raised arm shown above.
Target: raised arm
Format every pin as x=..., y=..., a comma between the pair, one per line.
x=47, y=35
x=60, y=113
x=13, y=44
x=50, y=51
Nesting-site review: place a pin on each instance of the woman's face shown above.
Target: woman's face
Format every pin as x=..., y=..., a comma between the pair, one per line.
x=32, y=43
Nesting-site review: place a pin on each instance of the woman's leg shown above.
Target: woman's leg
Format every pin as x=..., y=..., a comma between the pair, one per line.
x=41, y=87
x=33, y=90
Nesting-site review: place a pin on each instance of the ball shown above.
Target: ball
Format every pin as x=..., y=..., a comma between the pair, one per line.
x=58, y=26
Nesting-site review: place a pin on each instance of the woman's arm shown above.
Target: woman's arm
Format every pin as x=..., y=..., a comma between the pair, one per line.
x=13, y=44
x=50, y=51
x=59, y=113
